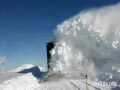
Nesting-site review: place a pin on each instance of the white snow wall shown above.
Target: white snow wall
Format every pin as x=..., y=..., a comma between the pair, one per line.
x=88, y=43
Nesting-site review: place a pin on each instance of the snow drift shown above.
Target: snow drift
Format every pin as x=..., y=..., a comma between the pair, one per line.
x=88, y=43
x=23, y=67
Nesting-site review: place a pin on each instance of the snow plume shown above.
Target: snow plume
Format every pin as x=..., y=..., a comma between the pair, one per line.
x=88, y=43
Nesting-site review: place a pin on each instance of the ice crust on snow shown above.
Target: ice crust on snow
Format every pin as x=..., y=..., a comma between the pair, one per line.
x=88, y=43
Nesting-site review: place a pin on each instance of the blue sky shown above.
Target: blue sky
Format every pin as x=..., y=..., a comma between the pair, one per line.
x=26, y=26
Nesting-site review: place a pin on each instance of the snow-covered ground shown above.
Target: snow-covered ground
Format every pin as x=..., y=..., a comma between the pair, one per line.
x=8, y=75
x=28, y=81
x=23, y=82
x=88, y=43
x=21, y=78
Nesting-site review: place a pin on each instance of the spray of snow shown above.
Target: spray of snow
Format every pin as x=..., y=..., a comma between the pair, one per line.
x=88, y=43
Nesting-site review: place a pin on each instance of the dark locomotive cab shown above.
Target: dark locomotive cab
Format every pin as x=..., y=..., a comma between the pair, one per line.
x=49, y=47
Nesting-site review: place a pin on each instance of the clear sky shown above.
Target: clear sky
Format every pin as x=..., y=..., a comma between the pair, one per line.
x=26, y=26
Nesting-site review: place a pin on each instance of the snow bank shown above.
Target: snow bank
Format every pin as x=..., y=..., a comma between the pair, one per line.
x=24, y=82
x=23, y=67
x=88, y=43
x=27, y=66
x=25, y=77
